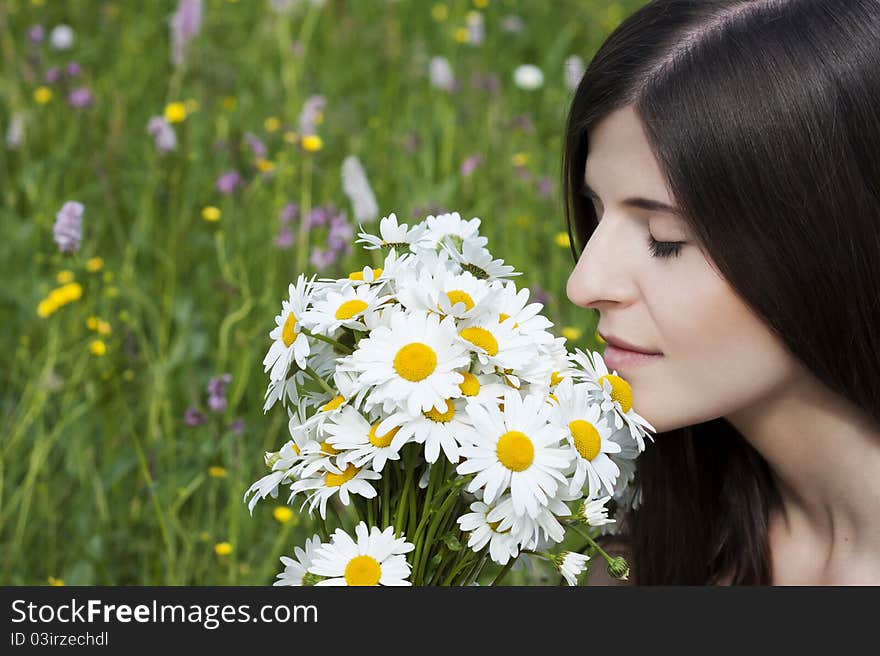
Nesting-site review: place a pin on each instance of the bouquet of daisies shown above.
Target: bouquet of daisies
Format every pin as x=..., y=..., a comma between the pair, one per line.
x=440, y=422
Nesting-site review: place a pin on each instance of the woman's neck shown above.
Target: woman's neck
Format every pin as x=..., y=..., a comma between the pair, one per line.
x=824, y=453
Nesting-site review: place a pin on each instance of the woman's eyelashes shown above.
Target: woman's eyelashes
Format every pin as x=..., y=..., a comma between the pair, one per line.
x=664, y=248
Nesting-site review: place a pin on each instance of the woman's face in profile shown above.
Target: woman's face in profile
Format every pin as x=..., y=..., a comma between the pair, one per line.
x=717, y=358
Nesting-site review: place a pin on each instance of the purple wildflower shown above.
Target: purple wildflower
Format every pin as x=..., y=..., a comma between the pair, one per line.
x=321, y=259
x=308, y=117
x=217, y=392
x=539, y=294
x=185, y=24
x=68, y=226
x=486, y=82
x=227, y=182
x=36, y=33
x=52, y=75
x=284, y=239
x=341, y=232
x=545, y=187
x=318, y=216
x=470, y=164
x=73, y=69
x=257, y=146
x=163, y=133
x=237, y=426
x=288, y=213
x=80, y=97
x=522, y=122
x=192, y=417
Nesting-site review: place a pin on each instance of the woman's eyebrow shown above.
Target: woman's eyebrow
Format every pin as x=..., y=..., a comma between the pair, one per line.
x=638, y=203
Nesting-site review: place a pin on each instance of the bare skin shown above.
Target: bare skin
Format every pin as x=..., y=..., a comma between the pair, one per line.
x=720, y=360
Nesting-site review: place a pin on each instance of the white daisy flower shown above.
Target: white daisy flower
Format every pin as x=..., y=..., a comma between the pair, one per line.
x=376, y=558
x=345, y=482
x=392, y=235
x=571, y=565
x=482, y=389
x=436, y=430
x=496, y=345
x=528, y=77
x=290, y=344
x=411, y=364
x=515, y=449
x=594, y=511
x=615, y=392
x=512, y=303
x=360, y=441
x=343, y=309
x=589, y=436
x=296, y=569
x=528, y=530
x=477, y=259
x=502, y=544
x=452, y=225
x=447, y=293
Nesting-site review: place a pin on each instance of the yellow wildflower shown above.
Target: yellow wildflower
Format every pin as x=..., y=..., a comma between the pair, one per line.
x=55, y=582
x=481, y=4
x=98, y=347
x=562, y=240
x=94, y=264
x=217, y=472
x=265, y=165
x=312, y=143
x=571, y=333
x=46, y=307
x=43, y=95
x=520, y=159
x=282, y=514
x=103, y=328
x=175, y=112
x=440, y=12
x=228, y=103
x=64, y=277
x=222, y=548
x=291, y=137
x=461, y=34
x=92, y=323
x=272, y=124
x=211, y=213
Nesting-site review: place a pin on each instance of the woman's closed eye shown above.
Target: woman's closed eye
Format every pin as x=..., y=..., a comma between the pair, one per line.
x=664, y=248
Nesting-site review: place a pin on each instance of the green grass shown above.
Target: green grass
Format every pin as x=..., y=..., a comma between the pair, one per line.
x=101, y=480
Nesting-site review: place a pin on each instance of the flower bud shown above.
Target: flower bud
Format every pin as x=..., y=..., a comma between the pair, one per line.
x=619, y=568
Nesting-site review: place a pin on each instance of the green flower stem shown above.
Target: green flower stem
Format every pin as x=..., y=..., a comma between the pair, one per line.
x=323, y=383
x=437, y=471
x=371, y=518
x=466, y=561
x=503, y=572
x=386, y=511
x=586, y=536
x=329, y=340
x=433, y=527
x=475, y=572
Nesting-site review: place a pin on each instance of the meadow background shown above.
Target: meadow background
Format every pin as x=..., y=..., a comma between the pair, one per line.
x=132, y=379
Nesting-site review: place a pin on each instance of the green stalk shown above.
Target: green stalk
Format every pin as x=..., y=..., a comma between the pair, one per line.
x=323, y=383
x=324, y=338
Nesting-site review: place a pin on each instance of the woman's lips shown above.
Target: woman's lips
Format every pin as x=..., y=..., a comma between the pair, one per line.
x=618, y=358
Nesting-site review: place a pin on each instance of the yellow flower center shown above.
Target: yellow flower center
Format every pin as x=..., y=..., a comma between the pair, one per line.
x=620, y=391
x=555, y=378
x=295, y=448
x=415, y=361
x=460, y=296
x=441, y=417
x=554, y=397
x=350, y=308
x=470, y=386
x=288, y=332
x=381, y=441
x=515, y=450
x=504, y=317
x=363, y=570
x=482, y=338
x=328, y=449
x=359, y=275
x=335, y=480
x=586, y=438
x=333, y=403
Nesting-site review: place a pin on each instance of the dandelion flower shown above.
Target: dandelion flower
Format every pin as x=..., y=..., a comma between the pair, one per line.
x=282, y=514
x=312, y=143
x=43, y=95
x=175, y=112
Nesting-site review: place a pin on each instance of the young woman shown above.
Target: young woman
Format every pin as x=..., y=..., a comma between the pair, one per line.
x=722, y=180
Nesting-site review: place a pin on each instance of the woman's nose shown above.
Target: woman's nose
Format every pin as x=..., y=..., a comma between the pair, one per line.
x=602, y=274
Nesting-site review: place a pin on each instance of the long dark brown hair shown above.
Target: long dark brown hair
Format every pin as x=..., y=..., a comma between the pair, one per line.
x=764, y=116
